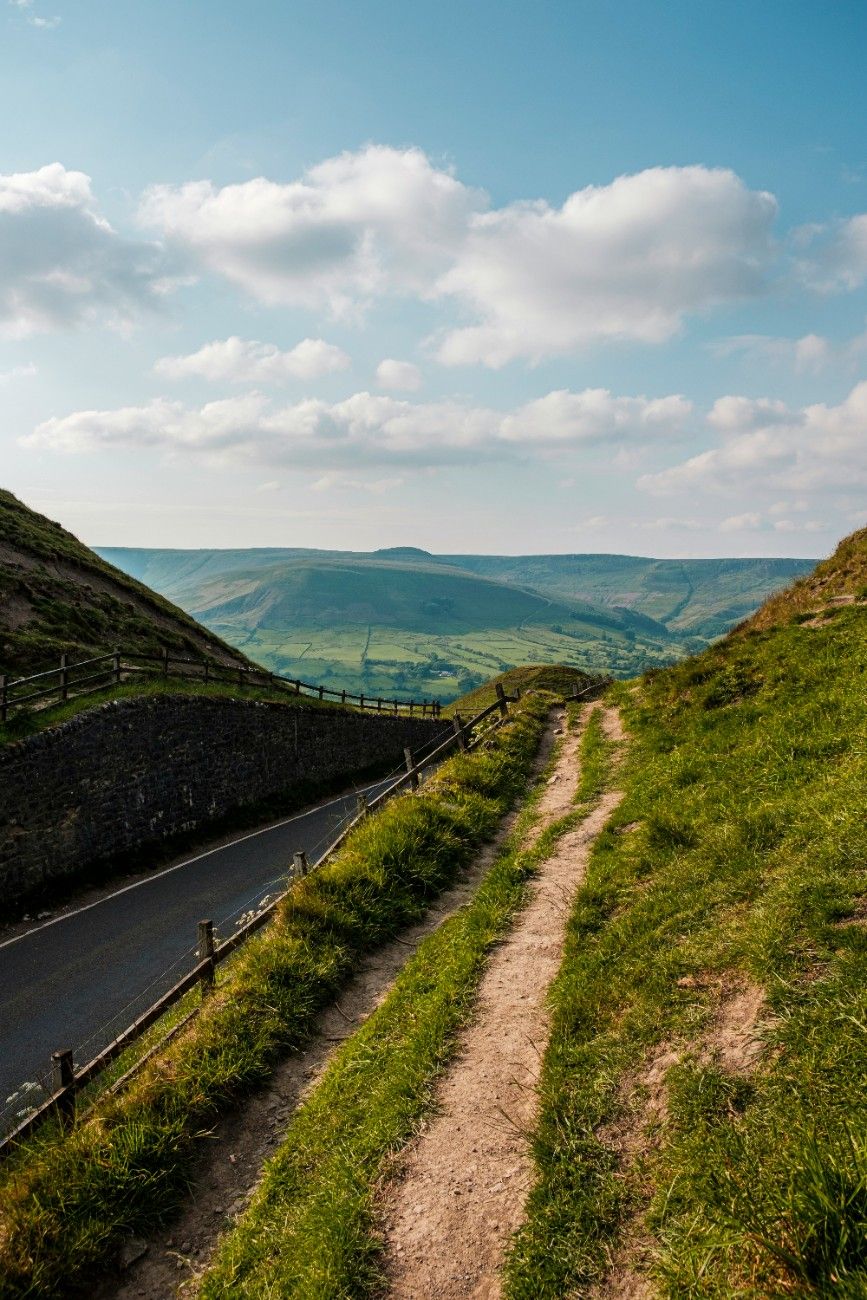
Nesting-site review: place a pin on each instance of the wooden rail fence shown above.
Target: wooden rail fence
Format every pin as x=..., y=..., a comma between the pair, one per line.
x=67, y=1080
x=56, y=685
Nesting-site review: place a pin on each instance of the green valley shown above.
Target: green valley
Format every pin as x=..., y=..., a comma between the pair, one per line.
x=405, y=621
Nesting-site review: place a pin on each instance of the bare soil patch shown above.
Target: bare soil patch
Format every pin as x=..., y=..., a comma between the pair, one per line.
x=169, y=1262
x=460, y=1188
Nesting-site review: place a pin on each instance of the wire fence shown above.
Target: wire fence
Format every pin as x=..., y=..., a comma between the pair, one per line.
x=54, y=686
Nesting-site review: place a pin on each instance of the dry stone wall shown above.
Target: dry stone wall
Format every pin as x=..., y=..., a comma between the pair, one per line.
x=132, y=773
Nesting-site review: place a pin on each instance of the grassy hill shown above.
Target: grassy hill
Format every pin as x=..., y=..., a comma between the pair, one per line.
x=557, y=678
x=704, y=1100
x=57, y=595
x=699, y=598
x=402, y=620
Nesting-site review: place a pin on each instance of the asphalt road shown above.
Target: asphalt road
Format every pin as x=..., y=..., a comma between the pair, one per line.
x=79, y=979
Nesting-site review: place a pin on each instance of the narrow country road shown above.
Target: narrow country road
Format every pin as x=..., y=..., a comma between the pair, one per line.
x=78, y=980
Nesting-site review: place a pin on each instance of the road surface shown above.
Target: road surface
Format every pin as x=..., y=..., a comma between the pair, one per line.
x=79, y=979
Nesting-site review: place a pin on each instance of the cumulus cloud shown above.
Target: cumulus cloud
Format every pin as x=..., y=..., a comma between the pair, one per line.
x=625, y=260
x=834, y=255
x=401, y=375
x=18, y=372
x=354, y=227
x=768, y=445
x=810, y=352
x=371, y=428
x=745, y=523
x=61, y=263
x=377, y=486
x=246, y=361
x=622, y=261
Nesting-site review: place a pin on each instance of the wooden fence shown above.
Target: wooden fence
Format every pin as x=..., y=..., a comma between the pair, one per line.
x=56, y=685
x=67, y=1080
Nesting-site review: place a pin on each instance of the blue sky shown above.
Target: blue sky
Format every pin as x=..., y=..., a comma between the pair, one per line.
x=490, y=277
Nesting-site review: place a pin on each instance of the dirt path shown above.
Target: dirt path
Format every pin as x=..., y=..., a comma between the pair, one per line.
x=230, y=1169
x=460, y=1193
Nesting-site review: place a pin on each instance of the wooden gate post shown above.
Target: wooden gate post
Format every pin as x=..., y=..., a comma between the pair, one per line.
x=300, y=863
x=206, y=953
x=64, y=676
x=458, y=725
x=411, y=767
x=501, y=699
x=361, y=804
x=63, y=1082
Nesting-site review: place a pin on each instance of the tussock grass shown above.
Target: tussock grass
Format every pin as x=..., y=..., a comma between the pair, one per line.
x=746, y=776
x=311, y=1228
x=69, y=1200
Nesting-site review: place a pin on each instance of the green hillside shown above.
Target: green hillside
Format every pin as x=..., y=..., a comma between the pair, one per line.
x=402, y=620
x=57, y=595
x=704, y=1098
x=702, y=598
x=399, y=624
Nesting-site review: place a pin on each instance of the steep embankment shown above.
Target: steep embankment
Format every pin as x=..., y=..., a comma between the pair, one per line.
x=704, y=1099
x=57, y=595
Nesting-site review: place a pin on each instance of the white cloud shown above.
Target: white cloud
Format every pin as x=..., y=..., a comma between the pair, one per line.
x=61, y=263
x=339, y=482
x=18, y=372
x=354, y=227
x=745, y=523
x=370, y=428
x=835, y=256
x=47, y=24
x=671, y=523
x=245, y=361
x=623, y=261
x=769, y=446
x=809, y=353
x=401, y=375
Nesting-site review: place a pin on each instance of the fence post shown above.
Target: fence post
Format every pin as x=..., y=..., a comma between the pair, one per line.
x=396, y=708
x=64, y=676
x=4, y=706
x=63, y=1081
x=517, y=692
x=411, y=767
x=458, y=725
x=501, y=699
x=321, y=692
x=206, y=953
x=165, y=661
x=300, y=863
x=411, y=705
x=297, y=688
x=361, y=804
x=343, y=698
x=116, y=665
x=361, y=705
x=379, y=706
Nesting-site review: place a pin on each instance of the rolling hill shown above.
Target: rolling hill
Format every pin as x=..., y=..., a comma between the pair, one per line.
x=404, y=620
x=57, y=595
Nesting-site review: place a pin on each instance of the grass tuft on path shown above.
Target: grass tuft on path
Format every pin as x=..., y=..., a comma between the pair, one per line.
x=735, y=862
x=69, y=1200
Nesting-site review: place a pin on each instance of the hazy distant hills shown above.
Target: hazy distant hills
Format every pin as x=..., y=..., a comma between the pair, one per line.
x=406, y=620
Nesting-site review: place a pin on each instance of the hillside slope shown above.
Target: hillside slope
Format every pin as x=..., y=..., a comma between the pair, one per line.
x=57, y=595
x=704, y=1098
x=698, y=597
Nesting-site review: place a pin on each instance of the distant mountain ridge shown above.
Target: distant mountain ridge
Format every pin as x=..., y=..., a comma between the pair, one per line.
x=403, y=619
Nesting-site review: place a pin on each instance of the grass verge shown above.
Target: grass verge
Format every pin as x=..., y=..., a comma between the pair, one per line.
x=736, y=860
x=311, y=1228
x=69, y=1200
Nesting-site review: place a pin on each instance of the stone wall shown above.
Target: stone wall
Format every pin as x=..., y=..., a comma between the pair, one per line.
x=132, y=773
